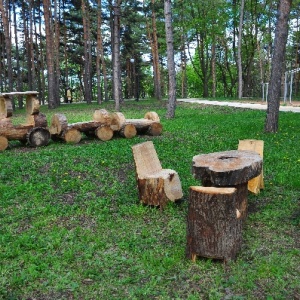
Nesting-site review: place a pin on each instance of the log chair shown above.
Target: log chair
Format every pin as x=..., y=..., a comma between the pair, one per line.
x=156, y=185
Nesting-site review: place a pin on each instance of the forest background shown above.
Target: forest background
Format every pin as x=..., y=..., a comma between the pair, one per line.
x=51, y=45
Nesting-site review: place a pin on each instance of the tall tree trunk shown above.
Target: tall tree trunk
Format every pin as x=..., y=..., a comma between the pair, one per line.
x=240, y=70
x=5, y=19
x=155, y=55
x=50, y=54
x=281, y=34
x=116, y=55
x=19, y=77
x=171, y=62
x=31, y=45
x=56, y=50
x=100, y=54
x=213, y=68
x=87, y=52
x=41, y=61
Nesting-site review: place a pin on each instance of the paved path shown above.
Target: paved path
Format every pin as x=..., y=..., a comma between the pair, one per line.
x=295, y=109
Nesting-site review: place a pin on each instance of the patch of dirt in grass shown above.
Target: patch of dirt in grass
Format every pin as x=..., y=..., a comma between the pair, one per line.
x=67, y=198
x=52, y=295
x=82, y=221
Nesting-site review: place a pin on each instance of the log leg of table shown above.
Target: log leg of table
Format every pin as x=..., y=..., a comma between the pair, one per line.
x=214, y=226
x=242, y=197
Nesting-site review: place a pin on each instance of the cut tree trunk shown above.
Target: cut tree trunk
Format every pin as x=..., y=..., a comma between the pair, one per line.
x=152, y=115
x=38, y=136
x=6, y=109
x=15, y=132
x=72, y=136
x=37, y=120
x=214, y=224
x=102, y=116
x=145, y=126
x=104, y=133
x=59, y=123
x=128, y=131
x=3, y=143
x=32, y=104
x=229, y=169
x=118, y=121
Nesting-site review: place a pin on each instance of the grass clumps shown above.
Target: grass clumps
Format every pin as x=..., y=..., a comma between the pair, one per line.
x=72, y=226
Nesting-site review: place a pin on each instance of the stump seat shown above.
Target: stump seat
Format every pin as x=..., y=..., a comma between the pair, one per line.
x=156, y=185
x=214, y=224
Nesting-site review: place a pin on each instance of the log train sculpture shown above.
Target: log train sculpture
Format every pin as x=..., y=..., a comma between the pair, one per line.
x=35, y=132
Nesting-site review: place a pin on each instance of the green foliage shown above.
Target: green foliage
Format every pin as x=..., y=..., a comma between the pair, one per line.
x=72, y=226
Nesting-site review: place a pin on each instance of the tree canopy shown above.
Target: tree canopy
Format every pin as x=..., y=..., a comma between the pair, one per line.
x=117, y=49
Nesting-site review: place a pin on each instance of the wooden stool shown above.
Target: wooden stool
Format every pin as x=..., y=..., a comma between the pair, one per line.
x=214, y=223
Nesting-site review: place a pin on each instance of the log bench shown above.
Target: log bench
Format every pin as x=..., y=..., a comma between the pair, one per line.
x=156, y=185
x=34, y=131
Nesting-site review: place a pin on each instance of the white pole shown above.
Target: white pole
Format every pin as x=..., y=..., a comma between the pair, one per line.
x=267, y=91
x=263, y=91
x=285, y=86
x=291, y=86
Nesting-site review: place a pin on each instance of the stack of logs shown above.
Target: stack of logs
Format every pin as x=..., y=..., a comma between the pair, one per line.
x=104, y=126
x=34, y=132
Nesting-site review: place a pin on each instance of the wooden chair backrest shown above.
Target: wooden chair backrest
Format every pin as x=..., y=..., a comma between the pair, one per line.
x=257, y=183
x=146, y=159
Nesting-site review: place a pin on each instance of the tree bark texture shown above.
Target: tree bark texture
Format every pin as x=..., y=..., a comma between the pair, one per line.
x=171, y=63
x=240, y=69
x=281, y=34
x=50, y=54
x=214, y=224
x=4, y=9
x=116, y=55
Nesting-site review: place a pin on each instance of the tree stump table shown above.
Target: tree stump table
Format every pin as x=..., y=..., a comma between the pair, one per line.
x=217, y=210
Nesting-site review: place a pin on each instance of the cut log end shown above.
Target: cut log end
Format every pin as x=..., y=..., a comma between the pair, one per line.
x=72, y=136
x=3, y=143
x=102, y=116
x=38, y=137
x=155, y=129
x=152, y=115
x=104, y=133
x=128, y=131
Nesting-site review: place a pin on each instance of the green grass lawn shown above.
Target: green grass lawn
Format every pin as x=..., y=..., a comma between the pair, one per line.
x=72, y=226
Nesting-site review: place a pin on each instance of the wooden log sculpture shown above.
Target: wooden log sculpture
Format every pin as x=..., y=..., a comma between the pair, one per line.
x=72, y=133
x=214, y=224
x=34, y=131
x=229, y=169
x=156, y=185
x=257, y=183
x=149, y=125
